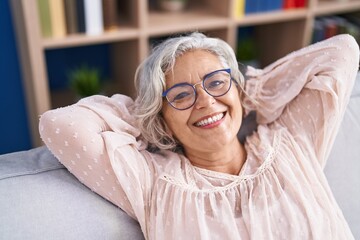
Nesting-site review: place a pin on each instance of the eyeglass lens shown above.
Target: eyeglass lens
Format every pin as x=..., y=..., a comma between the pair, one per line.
x=184, y=96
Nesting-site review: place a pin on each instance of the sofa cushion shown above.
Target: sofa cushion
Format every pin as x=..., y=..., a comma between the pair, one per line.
x=343, y=166
x=40, y=199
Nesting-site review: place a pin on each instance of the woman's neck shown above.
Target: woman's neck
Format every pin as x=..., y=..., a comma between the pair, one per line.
x=229, y=159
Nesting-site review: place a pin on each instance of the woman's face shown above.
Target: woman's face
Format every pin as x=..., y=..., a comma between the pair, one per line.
x=187, y=125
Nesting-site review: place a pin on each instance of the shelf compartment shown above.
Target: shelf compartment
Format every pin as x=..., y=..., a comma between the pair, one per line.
x=271, y=17
x=61, y=98
x=161, y=23
x=270, y=46
x=116, y=63
x=125, y=58
x=221, y=33
x=335, y=7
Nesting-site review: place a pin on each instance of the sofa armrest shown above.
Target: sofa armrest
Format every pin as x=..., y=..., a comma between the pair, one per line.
x=343, y=166
x=40, y=199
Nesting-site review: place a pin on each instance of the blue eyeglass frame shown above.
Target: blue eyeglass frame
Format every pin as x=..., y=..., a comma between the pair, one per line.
x=228, y=70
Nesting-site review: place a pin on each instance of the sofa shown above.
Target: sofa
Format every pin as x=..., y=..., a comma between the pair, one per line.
x=40, y=199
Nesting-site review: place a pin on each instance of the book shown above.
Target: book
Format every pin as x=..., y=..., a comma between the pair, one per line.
x=45, y=19
x=331, y=27
x=289, y=4
x=300, y=3
x=250, y=6
x=57, y=15
x=110, y=15
x=70, y=16
x=318, y=31
x=273, y=5
x=80, y=16
x=239, y=10
x=93, y=17
x=325, y=27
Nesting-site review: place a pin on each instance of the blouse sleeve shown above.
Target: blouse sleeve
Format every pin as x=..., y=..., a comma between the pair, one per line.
x=307, y=92
x=96, y=136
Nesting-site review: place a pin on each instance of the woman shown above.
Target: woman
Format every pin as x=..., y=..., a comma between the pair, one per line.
x=172, y=159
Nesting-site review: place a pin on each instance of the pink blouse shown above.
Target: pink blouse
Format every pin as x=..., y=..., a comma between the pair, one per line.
x=281, y=191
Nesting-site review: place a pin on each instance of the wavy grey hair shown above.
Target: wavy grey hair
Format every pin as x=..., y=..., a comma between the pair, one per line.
x=150, y=82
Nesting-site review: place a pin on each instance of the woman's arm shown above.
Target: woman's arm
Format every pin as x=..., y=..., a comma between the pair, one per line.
x=307, y=91
x=86, y=135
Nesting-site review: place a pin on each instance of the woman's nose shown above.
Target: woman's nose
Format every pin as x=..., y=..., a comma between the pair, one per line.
x=203, y=98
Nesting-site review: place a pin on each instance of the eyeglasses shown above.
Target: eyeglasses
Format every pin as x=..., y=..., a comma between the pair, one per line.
x=182, y=96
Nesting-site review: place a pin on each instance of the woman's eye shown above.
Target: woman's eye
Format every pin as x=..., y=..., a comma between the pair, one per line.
x=181, y=96
x=215, y=84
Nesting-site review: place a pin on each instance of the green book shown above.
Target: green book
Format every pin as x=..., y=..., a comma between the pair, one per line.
x=45, y=20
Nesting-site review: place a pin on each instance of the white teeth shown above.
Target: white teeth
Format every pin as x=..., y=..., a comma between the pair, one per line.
x=210, y=120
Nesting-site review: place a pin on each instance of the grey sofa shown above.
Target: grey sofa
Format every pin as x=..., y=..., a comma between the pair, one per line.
x=40, y=199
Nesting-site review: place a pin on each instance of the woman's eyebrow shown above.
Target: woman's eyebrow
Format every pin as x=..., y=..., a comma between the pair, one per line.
x=201, y=79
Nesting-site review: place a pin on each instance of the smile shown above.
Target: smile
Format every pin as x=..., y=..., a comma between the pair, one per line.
x=210, y=120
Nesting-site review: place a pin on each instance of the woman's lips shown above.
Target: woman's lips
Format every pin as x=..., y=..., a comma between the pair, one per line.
x=210, y=120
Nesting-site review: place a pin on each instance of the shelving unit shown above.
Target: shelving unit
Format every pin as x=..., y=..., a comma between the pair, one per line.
x=278, y=33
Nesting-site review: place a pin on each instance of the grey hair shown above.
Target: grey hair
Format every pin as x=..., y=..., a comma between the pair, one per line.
x=150, y=82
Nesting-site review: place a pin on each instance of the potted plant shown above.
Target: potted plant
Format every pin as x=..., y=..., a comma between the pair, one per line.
x=247, y=53
x=172, y=5
x=85, y=81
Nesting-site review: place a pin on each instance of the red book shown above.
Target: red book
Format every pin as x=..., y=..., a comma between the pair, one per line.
x=289, y=4
x=331, y=28
x=300, y=3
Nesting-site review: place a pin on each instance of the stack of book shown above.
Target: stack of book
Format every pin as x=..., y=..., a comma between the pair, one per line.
x=326, y=27
x=243, y=7
x=59, y=18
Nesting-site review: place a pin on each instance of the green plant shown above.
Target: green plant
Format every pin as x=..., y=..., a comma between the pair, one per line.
x=85, y=81
x=246, y=50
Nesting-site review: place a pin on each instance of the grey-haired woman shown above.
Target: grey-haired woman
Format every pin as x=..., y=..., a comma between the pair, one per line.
x=171, y=159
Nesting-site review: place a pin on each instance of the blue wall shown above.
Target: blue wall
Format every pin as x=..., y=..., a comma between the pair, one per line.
x=14, y=131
